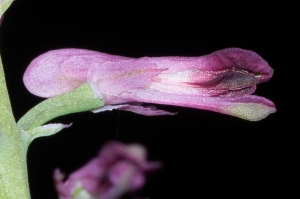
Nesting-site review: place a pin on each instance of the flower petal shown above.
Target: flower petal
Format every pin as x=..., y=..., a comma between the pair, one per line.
x=59, y=71
x=149, y=110
x=135, y=108
x=112, y=78
x=249, y=107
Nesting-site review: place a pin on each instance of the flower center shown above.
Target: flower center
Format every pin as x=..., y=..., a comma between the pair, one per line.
x=227, y=82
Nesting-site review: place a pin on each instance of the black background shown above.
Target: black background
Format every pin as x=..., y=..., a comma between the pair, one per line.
x=205, y=154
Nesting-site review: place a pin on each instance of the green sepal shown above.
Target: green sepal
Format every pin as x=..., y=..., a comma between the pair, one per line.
x=42, y=131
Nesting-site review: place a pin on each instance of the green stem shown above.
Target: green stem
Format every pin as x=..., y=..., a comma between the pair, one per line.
x=78, y=100
x=14, y=139
x=4, y=5
x=13, y=169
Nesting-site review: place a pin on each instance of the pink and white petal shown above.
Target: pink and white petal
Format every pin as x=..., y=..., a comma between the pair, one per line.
x=136, y=108
x=249, y=107
x=149, y=110
x=228, y=58
x=109, y=108
x=44, y=78
x=112, y=78
x=59, y=71
x=242, y=59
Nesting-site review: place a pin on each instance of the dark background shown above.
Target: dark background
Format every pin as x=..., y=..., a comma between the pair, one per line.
x=205, y=154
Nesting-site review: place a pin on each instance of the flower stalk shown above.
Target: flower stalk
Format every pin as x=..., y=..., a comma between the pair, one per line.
x=13, y=168
x=15, y=139
x=78, y=100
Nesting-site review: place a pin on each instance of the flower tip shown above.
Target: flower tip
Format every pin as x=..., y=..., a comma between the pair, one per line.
x=251, y=111
x=54, y=72
x=247, y=60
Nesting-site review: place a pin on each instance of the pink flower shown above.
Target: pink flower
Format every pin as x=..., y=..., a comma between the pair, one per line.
x=222, y=81
x=117, y=170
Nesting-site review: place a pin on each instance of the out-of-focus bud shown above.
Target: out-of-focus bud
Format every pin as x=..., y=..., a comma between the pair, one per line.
x=117, y=170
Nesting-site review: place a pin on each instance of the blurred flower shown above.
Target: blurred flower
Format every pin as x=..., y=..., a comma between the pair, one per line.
x=222, y=81
x=117, y=170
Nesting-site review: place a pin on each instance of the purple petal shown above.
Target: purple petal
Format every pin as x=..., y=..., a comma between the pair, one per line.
x=59, y=71
x=249, y=107
x=228, y=72
x=112, y=78
x=242, y=59
x=149, y=110
x=226, y=59
x=136, y=108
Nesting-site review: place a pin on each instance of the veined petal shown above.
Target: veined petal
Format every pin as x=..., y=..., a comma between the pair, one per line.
x=228, y=72
x=226, y=59
x=112, y=78
x=148, y=110
x=248, y=107
x=226, y=84
x=135, y=108
x=59, y=71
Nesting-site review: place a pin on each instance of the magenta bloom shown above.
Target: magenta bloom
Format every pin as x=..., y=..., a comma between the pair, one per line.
x=117, y=170
x=222, y=81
